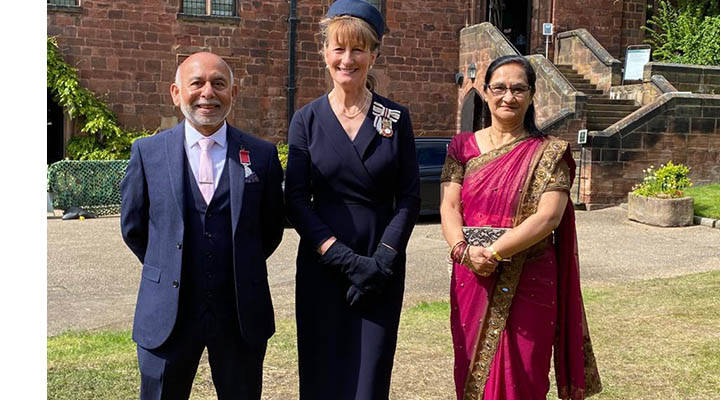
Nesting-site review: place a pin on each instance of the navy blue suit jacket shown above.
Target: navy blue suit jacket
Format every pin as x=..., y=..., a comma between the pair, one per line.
x=152, y=222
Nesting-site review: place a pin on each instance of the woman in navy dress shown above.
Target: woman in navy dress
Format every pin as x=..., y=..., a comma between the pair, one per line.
x=352, y=193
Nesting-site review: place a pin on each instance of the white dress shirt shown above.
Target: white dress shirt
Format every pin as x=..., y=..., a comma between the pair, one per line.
x=218, y=152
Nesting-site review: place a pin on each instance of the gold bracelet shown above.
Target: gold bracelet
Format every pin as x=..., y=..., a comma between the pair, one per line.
x=452, y=249
x=462, y=258
x=495, y=254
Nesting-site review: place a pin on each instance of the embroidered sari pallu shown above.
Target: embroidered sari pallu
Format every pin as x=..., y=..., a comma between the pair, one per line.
x=505, y=326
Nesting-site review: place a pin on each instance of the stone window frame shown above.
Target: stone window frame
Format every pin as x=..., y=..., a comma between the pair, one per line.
x=209, y=17
x=65, y=8
x=380, y=5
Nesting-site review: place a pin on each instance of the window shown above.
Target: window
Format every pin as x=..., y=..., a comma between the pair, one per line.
x=376, y=3
x=63, y=2
x=222, y=8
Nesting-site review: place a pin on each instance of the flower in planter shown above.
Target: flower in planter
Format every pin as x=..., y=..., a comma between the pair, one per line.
x=667, y=182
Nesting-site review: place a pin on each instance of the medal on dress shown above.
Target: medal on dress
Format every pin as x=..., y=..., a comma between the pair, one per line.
x=384, y=118
x=245, y=161
x=386, y=125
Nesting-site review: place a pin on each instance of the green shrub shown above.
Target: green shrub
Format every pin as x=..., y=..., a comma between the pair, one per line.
x=103, y=139
x=689, y=34
x=282, y=149
x=667, y=182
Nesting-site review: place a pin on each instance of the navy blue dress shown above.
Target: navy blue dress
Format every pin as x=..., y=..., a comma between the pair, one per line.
x=362, y=192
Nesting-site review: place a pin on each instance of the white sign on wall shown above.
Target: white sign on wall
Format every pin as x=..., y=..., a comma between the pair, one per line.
x=547, y=29
x=635, y=59
x=582, y=136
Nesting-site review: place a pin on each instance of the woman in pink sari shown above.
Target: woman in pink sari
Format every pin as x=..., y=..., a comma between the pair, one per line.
x=516, y=300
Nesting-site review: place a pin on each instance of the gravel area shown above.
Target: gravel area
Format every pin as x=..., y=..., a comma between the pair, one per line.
x=92, y=277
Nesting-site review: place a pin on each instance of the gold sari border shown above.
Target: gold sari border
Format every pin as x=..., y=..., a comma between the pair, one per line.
x=484, y=159
x=452, y=171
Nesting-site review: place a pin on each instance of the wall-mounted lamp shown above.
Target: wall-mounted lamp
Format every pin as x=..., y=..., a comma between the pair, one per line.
x=472, y=72
x=459, y=77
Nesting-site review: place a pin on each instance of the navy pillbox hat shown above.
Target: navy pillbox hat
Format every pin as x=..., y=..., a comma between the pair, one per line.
x=360, y=9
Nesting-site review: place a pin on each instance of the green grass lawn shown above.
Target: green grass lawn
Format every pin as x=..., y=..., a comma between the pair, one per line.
x=656, y=339
x=706, y=199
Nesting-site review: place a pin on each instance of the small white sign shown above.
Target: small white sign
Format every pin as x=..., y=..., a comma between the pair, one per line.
x=547, y=29
x=582, y=136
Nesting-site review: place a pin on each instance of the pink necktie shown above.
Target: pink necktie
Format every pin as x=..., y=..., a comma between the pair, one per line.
x=206, y=171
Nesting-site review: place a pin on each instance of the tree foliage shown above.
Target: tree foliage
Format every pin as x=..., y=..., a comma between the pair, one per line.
x=103, y=139
x=688, y=34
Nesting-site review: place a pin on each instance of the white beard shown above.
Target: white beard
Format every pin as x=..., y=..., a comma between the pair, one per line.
x=202, y=121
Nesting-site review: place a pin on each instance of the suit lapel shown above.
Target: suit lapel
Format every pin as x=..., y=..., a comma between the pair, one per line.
x=175, y=150
x=335, y=134
x=236, y=173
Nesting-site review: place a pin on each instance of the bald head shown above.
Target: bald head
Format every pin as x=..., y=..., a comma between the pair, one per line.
x=204, y=91
x=202, y=58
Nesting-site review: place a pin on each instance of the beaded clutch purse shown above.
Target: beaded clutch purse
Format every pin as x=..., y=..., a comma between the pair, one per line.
x=482, y=235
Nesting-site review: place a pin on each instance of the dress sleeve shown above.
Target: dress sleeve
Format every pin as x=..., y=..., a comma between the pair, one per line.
x=560, y=178
x=298, y=184
x=453, y=169
x=407, y=192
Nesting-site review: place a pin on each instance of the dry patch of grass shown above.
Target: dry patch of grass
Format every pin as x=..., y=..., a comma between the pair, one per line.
x=657, y=339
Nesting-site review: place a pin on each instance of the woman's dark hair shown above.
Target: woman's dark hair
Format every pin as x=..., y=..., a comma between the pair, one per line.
x=529, y=121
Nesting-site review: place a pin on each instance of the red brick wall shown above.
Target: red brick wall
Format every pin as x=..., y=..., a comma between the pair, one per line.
x=602, y=18
x=632, y=21
x=126, y=51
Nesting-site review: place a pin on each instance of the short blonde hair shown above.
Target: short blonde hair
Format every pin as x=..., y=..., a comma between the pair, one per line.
x=349, y=30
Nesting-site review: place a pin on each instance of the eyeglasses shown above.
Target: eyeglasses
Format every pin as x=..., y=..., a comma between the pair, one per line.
x=500, y=90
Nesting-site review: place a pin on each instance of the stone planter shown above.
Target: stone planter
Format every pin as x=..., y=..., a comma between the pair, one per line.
x=660, y=212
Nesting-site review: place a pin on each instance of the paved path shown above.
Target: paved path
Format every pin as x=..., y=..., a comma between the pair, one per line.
x=93, y=278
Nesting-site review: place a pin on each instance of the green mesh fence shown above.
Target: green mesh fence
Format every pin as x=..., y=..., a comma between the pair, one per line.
x=91, y=185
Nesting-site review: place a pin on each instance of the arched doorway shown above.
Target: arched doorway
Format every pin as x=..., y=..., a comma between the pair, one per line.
x=512, y=18
x=55, y=137
x=471, y=113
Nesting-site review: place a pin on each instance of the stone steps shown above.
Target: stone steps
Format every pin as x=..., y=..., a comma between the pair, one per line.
x=594, y=119
x=617, y=114
x=596, y=127
x=606, y=100
x=599, y=107
x=602, y=111
x=592, y=92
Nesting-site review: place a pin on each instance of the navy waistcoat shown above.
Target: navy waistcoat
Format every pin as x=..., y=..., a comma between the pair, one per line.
x=207, y=271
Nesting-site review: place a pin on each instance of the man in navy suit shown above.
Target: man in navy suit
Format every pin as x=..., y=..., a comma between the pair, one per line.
x=202, y=210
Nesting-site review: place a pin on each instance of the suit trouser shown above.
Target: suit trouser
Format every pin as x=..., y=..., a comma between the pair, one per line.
x=167, y=372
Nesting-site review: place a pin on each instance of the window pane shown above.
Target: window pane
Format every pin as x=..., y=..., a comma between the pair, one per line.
x=63, y=2
x=376, y=3
x=223, y=7
x=431, y=154
x=195, y=7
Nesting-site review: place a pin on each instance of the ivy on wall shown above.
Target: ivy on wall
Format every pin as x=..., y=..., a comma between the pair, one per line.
x=688, y=34
x=103, y=138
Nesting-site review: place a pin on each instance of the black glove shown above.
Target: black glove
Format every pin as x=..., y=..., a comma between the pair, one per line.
x=385, y=258
x=354, y=295
x=362, y=271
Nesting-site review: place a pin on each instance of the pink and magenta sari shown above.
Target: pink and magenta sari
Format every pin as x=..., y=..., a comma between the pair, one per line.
x=505, y=326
